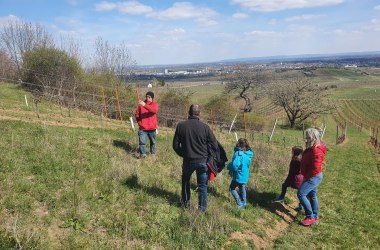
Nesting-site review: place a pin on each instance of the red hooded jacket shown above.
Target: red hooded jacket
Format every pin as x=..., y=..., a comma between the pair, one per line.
x=146, y=116
x=312, y=159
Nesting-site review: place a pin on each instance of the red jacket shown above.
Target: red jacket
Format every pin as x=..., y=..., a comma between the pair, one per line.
x=312, y=159
x=146, y=116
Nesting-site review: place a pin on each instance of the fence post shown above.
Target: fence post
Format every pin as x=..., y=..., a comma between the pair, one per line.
x=245, y=126
x=303, y=130
x=345, y=130
x=212, y=121
x=104, y=104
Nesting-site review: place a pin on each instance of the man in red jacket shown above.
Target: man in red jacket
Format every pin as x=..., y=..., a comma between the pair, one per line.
x=311, y=169
x=146, y=117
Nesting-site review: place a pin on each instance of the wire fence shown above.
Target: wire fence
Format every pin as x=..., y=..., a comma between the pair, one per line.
x=107, y=103
x=113, y=107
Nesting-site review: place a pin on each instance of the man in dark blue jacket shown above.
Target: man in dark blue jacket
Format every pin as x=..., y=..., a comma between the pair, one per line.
x=192, y=141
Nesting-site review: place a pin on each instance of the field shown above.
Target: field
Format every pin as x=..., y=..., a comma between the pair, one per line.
x=71, y=180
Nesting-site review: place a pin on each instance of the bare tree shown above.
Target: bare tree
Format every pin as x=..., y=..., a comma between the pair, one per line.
x=72, y=47
x=245, y=80
x=112, y=59
x=7, y=67
x=300, y=98
x=18, y=37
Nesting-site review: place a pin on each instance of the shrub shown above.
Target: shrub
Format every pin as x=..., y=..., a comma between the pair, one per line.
x=174, y=106
x=222, y=110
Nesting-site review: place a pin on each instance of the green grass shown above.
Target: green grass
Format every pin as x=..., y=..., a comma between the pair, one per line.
x=83, y=188
x=370, y=92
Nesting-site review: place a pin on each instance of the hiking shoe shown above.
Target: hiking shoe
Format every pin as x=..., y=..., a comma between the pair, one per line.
x=308, y=221
x=299, y=208
x=279, y=200
x=142, y=156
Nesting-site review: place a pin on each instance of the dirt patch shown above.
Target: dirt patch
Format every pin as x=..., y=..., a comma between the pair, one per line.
x=285, y=211
x=259, y=242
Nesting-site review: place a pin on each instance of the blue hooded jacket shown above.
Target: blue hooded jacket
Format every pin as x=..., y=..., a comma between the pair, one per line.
x=239, y=167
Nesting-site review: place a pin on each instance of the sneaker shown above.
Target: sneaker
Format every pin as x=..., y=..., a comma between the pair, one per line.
x=308, y=221
x=279, y=200
x=316, y=219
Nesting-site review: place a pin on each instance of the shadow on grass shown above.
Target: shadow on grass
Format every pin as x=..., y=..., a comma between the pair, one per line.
x=265, y=200
x=124, y=145
x=132, y=182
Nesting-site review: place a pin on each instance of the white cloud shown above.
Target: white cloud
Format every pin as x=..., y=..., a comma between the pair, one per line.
x=178, y=11
x=177, y=31
x=277, y=5
x=240, y=15
x=129, y=7
x=302, y=17
x=186, y=10
x=375, y=24
x=377, y=7
x=261, y=33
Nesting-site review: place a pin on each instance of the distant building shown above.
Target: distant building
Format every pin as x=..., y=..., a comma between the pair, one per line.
x=351, y=66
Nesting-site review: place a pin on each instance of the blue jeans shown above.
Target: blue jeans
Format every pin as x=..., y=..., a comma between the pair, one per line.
x=143, y=134
x=202, y=179
x=241, y=200
x=309, y=189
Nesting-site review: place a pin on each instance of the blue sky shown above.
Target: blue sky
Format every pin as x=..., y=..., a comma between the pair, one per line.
x=173, y=32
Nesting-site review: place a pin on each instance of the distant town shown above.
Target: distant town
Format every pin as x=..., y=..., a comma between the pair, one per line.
x=304, y=62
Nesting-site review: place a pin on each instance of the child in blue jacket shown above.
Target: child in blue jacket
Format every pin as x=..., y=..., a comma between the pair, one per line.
x=239, y=171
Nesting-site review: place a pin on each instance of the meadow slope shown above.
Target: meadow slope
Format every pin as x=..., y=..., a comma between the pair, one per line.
x=74, y=182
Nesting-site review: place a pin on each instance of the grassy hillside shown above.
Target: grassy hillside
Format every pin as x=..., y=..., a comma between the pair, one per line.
x=74, y=182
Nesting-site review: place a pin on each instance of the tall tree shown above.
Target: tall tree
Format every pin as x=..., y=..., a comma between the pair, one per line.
x=19, y=37
x=300, y=98
x=7, y=67
x=245, y=80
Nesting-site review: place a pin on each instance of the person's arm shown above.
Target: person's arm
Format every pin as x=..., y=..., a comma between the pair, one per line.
x=212, y=142
x=177, y=143
x=236, y=161
x=152, y=108
x=137, y=114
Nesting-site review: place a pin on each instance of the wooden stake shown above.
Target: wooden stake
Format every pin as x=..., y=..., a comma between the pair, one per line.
x=118, y=104
x=245, y=126
x=212, y=121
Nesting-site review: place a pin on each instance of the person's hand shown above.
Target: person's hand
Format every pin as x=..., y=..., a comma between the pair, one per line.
x=141, y=103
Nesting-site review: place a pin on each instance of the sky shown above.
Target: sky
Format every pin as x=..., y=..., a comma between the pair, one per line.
x=159, y=32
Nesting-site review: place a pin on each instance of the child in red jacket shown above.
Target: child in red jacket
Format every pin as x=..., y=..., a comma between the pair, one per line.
x=294, y=178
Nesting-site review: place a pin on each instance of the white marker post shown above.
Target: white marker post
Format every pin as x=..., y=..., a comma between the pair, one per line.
x=232, y=123
x=26, y=101
x=132, y=125
x=274, y=126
